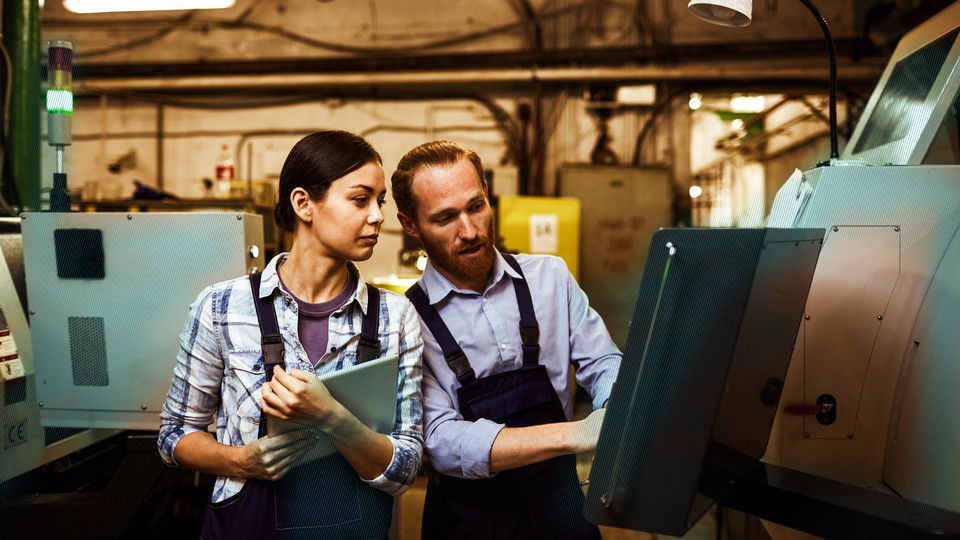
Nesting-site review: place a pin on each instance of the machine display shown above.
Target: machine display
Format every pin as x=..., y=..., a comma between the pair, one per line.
x=710, y=338
x=915, y=93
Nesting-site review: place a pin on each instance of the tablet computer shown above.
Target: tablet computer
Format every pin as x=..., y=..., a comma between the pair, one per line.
x=368, y=390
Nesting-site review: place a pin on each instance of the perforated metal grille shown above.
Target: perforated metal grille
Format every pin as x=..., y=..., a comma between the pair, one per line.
x=88, y=351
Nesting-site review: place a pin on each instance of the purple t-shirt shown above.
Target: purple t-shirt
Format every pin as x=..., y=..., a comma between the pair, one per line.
x=313, y=322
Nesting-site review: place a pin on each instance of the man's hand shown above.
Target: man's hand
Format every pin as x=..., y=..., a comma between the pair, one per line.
x=269, y=458
x=584, y=433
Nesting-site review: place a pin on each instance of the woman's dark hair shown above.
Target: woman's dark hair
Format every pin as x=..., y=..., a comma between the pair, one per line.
x=314, y=163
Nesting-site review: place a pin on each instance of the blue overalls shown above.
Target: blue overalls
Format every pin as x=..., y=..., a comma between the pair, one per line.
x=539, y=501
x=322, y=499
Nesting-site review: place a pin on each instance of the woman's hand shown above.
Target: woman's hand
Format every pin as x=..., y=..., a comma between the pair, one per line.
x=299, y=397
x=269, y=458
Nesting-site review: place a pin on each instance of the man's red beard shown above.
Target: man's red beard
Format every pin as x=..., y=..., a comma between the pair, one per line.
x=448, y=258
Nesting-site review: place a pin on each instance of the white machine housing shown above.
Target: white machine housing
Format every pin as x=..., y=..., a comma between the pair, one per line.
x=876, y=335
x=104, y=349
x=880, y=334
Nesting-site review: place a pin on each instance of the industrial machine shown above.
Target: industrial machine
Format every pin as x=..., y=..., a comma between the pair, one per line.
x=92, y=307
x=878, y=342
x=864, y=439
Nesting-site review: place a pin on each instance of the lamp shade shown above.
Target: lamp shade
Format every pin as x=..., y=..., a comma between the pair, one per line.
x=723, y=12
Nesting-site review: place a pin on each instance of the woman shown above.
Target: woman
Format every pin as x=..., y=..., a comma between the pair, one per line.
x=330, y=194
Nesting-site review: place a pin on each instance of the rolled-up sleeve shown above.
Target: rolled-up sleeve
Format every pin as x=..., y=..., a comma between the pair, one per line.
x=194, y=394
x=407, y=436
x=456, y=447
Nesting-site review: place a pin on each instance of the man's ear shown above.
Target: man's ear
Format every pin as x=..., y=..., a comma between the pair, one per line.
x=409, y=226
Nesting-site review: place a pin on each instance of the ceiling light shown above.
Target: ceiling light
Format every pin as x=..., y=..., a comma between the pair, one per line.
x=695, y=101
x=748, y=104
x=110, y=6
x=644, y=94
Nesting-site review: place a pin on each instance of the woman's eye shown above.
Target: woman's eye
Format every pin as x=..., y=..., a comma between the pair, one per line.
x=361, y=201
x=381, y=202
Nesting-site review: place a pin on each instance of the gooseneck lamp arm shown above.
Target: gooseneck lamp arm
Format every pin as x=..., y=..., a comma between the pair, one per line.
x=740, y=12
x=834, y=146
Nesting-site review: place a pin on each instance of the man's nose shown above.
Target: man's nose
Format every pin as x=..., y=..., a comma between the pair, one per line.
x=467, y=230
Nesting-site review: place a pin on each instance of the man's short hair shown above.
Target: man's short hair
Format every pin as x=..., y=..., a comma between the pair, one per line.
x=431, y=154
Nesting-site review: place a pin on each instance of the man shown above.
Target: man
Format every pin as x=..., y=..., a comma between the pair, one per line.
x=500, y=333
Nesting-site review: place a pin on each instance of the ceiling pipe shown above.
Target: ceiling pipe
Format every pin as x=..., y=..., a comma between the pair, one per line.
x=523, y=76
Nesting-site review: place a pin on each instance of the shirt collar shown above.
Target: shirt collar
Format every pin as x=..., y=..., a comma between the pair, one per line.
x=270, y=282
x=438, y=287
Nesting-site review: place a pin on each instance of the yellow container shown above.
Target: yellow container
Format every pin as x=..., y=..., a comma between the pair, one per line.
x=548, y=225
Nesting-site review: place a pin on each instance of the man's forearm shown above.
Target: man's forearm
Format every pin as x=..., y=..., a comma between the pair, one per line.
x=516, y=447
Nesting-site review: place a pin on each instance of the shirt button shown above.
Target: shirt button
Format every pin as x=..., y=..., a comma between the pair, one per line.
x=484, y=300
x=503, y=345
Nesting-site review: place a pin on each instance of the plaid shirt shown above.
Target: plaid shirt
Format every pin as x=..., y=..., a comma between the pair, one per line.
x=219, y=370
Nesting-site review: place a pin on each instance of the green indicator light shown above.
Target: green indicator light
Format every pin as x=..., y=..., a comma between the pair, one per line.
x=60, y=101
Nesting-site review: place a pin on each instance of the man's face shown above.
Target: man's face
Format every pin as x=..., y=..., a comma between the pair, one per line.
x=454, y=222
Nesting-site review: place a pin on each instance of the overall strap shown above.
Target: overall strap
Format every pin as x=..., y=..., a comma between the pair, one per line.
x=529, y=329
x=271, y=342
x=451, y=349
x=369, y=347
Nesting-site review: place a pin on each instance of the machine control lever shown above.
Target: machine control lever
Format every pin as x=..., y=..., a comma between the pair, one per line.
x=825, y=409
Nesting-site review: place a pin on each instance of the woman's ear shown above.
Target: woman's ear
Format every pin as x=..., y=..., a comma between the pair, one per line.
x=300, y=201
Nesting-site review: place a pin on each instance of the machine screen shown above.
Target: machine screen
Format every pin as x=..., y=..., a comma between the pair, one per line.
x=905, y=94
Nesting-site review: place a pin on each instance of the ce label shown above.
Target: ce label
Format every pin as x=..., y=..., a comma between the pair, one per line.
x=15, y=434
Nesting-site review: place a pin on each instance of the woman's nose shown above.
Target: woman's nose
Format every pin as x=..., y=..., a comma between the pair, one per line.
x=376, y=216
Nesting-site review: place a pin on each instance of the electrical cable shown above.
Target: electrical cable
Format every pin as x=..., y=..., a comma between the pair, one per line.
x=590, y=7
x=139, y=42
x=648, y=124
x=524, y=8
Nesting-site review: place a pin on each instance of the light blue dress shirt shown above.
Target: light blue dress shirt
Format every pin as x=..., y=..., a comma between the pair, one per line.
x=487, y=329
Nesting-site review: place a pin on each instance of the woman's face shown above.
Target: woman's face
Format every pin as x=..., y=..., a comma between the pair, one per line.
x=346, y=223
